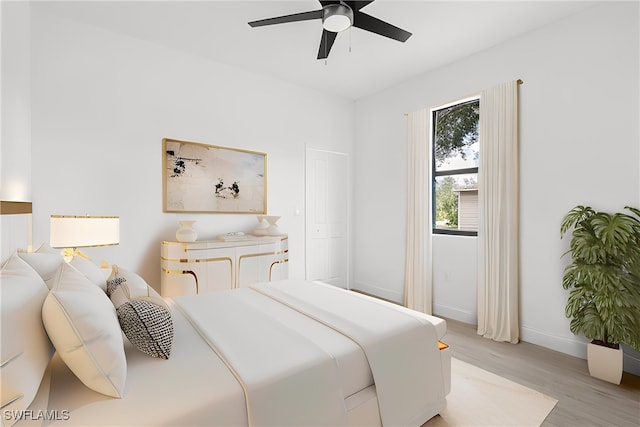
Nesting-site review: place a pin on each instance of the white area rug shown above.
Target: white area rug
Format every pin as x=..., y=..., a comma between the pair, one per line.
x=480, y=398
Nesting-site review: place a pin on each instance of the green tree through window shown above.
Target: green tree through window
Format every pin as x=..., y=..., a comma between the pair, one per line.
x=446, y=203
x=455, y=164
x=456, y=129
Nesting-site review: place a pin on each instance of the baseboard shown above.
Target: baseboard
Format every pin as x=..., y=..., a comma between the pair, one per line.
x=455, y=313
x=576, y=347
x=379, y=292
x=441, y=310
x=573, y=346
x=631, y=361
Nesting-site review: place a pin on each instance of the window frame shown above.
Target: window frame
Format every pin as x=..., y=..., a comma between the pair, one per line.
x=452, y=172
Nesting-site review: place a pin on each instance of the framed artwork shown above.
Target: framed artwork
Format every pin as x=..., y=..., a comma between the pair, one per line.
x=208, y=178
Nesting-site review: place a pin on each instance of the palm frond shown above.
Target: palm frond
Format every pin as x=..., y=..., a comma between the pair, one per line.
x=636, y=211
x=574, y=217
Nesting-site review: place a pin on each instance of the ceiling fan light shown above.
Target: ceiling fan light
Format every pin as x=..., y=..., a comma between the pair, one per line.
x=337, y=17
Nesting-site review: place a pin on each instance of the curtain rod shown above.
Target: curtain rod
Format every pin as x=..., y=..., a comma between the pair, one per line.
x=519, y=81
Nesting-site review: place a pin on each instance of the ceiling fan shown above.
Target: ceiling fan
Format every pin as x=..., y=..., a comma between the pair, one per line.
x=338, y=16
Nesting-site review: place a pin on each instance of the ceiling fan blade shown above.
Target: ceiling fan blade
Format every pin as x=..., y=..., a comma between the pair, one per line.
x=369, y=23
x=302, y=16
x=326, y=3
x=357, y=5
x=328, y=37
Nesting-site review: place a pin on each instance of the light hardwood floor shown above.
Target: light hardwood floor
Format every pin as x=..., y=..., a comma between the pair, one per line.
x=582, y=400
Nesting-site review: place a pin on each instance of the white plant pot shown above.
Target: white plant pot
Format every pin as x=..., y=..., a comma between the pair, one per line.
x=605, y=363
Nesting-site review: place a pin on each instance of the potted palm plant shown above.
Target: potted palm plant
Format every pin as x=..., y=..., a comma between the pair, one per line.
x=604, y=283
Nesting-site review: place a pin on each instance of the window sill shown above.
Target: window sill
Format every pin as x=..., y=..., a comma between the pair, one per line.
x=456, y=232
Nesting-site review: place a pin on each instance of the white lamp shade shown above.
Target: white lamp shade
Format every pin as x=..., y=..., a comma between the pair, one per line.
x=83, y=231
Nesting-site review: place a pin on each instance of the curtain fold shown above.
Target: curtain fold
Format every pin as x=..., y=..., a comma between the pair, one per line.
x=498, y=253
x=418, y=283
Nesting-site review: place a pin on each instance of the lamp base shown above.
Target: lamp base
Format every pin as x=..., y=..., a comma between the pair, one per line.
x=69, y=253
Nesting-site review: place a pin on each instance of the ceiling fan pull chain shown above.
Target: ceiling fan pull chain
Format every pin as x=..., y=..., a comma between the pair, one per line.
x=324, y=33
x=350, y=38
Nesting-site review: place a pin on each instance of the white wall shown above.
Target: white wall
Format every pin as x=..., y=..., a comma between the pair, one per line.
x=579, y=145
x=101, y=104
x=15, y=167
x=451, y=294
x=15, y=123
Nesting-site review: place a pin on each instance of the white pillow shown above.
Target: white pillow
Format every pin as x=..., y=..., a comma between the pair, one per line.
x=46, y=249
x=134, y=285
x=90, y=270
x=83, y=326
x=45, y=260
x=25, y=349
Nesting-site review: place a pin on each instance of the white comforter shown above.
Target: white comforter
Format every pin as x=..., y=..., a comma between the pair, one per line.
x=286, y=377
x=402, y=350
x=270, y=363
x=260, y=341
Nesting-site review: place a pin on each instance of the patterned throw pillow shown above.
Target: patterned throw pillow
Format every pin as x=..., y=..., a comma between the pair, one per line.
x=113, y=283
x=114, y=280
x=144, y=318
x=148, y=326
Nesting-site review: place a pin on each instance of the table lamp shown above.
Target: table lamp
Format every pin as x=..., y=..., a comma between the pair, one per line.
x=70, y=232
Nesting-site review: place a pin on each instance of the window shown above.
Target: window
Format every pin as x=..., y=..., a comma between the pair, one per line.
x=456, y=156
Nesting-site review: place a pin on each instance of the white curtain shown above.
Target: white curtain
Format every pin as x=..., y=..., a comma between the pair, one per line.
x=498, y=274
x=418, y=283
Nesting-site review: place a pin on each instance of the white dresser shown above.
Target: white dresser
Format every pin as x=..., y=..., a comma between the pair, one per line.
x=205, y=266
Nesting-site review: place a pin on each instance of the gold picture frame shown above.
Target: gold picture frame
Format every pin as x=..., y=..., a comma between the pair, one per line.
x=200, y=177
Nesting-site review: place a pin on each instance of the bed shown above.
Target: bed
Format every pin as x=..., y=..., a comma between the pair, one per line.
x=289, y=352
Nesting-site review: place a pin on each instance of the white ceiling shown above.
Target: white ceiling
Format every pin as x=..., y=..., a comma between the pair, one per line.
x=443, y=32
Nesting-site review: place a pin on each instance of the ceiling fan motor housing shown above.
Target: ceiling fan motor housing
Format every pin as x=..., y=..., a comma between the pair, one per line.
x=337, y=17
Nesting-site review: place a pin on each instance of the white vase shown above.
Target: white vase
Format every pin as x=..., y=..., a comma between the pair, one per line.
x=261, y=229
x=186, y=233
x=267, y=226
x=273, y=229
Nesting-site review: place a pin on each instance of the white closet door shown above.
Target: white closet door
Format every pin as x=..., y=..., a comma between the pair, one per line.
x=327, y=217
